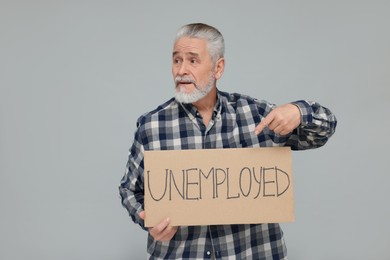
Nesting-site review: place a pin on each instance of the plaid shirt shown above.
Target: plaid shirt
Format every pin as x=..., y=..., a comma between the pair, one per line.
x=176, y=126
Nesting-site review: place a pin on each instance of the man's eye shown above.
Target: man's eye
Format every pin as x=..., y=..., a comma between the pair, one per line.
x=193, y=61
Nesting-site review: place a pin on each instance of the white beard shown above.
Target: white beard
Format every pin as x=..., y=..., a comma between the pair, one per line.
x=199, y=92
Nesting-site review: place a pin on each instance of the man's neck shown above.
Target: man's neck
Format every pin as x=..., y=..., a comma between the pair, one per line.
x=206, y=105
x=208, y=102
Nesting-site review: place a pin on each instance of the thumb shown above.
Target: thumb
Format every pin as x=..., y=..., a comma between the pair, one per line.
x=142, y=215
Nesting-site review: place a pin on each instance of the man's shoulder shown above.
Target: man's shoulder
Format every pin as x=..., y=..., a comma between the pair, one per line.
x=237, y=99
x=165, y=108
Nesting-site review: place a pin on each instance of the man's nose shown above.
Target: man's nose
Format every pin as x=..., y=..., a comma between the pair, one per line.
x=183, y=69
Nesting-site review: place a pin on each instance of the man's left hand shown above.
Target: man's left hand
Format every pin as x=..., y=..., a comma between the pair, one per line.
x=282, y=120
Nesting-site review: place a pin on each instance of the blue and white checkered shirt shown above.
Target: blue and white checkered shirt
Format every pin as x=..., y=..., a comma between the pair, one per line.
x=176, y=126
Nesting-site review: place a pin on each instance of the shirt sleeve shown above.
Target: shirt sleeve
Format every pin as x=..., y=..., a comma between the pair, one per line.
x=131, y=188
x=318, y=124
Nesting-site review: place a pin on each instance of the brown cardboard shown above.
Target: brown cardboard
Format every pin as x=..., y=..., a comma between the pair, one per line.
x=219, y=186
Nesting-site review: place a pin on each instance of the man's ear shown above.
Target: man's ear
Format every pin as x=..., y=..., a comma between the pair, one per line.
x=219, y=68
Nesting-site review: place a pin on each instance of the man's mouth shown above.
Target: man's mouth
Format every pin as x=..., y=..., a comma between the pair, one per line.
x=184, y=83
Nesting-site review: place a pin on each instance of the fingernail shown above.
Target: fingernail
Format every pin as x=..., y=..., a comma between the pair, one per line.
x=256, y=132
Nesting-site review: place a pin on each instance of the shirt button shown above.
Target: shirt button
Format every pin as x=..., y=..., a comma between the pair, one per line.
x=208, y=253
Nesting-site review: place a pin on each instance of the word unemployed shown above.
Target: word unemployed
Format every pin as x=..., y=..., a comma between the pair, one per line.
x=196, y=184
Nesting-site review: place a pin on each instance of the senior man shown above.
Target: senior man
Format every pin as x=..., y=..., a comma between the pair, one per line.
x=200, y=116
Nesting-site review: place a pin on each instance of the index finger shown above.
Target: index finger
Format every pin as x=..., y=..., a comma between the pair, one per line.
x=160, y=227
x=264, y=123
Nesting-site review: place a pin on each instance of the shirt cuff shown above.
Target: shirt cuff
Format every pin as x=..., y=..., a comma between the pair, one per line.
x=306, y=111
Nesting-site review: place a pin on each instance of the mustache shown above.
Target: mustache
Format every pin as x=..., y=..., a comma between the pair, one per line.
x=184, y=80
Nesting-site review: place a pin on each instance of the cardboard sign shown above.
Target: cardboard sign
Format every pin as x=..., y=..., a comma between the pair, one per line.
x=219, y=186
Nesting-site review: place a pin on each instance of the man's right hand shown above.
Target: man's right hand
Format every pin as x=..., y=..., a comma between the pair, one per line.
x=161, y=232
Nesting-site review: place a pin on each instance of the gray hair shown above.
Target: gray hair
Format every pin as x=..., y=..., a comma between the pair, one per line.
x=215, y=41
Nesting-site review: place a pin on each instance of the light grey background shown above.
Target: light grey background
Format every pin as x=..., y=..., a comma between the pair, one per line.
x=75, y=75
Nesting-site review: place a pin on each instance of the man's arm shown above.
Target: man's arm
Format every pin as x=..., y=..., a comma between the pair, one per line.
x=301, y=124
x=131, y=188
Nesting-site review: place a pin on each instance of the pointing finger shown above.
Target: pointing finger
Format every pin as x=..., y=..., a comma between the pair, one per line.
x=264, y=123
